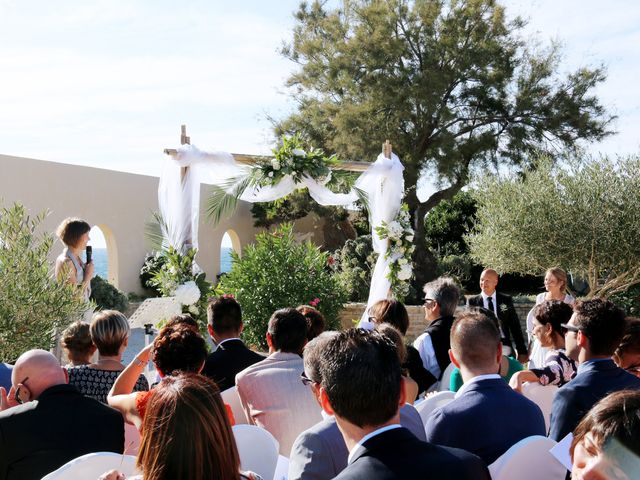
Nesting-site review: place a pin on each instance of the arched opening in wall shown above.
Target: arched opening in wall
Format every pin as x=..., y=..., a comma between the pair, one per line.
x=105, y=253
x=230, y=242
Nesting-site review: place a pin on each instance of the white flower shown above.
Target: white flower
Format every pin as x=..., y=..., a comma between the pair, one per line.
x=394, y=229
x=294, y=173
x=403, y=261
x=409, y=238
x=405, y=272
x=188, y=293
x=270, y=174
x=194, y=310
x=298, y=152
x=275, y=164
x=173, y=270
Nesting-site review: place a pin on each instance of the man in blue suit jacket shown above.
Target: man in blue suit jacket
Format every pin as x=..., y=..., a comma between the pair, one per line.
x=592, y=335
x=361, y=386
x=486, y=417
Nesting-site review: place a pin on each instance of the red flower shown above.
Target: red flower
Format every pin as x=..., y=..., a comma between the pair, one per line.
x=314, y=302
x=331, y=260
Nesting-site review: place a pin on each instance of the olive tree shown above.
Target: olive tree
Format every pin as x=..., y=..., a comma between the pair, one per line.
x=583, y=216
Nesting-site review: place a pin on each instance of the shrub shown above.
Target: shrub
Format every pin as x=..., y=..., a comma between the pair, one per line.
x=278, y=272
x=153, y=263
x=106, y=296
x=353, y=264
x=33, y=305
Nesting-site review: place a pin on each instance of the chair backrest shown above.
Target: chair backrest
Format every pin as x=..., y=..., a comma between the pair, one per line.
x=230, y=397
x=529, y=459
x=432, y=402
x=541, y=395
x=258, y=450
x=92, y=465
x=446, y=378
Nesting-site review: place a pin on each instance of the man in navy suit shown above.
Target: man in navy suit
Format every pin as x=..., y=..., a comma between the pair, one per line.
x=592, y=336
x=361, y=386
x=231, y=355
x=486, y=417
x=502, y=306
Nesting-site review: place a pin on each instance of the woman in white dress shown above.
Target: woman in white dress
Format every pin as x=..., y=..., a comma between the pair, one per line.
x=555, y=284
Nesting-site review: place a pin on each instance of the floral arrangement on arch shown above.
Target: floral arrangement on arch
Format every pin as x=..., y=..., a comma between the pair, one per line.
x=178, y=278
x=399, y=234
x=291, y=159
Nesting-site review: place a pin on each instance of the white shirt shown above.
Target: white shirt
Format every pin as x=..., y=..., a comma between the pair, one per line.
x=358, y=445
x=485, y=303
x=465, y=385
x=424, y=345
x=217, y=345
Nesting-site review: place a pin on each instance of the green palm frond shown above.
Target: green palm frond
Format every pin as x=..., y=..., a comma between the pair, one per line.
x=364, y=200
x=222, y=204
x=155, y=231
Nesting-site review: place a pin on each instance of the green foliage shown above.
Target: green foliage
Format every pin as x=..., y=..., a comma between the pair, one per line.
x=277, y=272
x=106, y=296
x=456, y=86
x=33, y=305
x=297, y=205
x=629, y=300
x=447, y=224
x=153, y=263
x=353, y=264
x=583, y=217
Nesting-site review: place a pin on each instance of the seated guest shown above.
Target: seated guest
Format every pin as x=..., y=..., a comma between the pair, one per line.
x=409, y=385
x=182, y=319
x=606, y=442
x=45, y=422
x=271, y=392
x=77, y=345
x=361, y=386
x=394, y=313
x=176, y=349
x=508, y=365
x=558, y=368
x=592, y=336
x=186, y=434
x=440, y=302
x=486, y=417
x=231, y=355
x=110, y=334
x=315, y=321
x=627, y=355
x=320, y=453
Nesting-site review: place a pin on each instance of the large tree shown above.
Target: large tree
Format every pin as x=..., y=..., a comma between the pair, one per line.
x=455, y=85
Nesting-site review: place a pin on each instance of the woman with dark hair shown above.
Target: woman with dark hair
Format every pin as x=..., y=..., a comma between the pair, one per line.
x=606, y=442
x=410, y=386
x=627, y=354
x=315, y=321
x=176, y=349
x=558, y=368
x=77, y=344
x=74, y=234
x=186, y=434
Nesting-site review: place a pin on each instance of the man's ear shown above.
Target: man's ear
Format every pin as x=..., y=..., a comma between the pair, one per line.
x=582, y=340
x=453, y=359
x=403, y=394
x=269, y=341
x=324, y=401
x=66, y=375
x=241, y=328
x=210, y=329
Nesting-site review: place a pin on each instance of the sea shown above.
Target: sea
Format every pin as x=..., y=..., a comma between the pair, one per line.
x=100, y=260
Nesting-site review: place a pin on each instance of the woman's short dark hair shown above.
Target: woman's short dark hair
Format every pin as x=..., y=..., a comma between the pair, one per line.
x=553, y=312
x=315, y=321
x=76, y=339
x=391, y=311
x=186, y=432
x=178, y=349
x=71, y=229
x=615, y=417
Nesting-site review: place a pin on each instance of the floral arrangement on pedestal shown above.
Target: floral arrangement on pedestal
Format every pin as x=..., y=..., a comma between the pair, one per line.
x=399, y=234
x=180, y=277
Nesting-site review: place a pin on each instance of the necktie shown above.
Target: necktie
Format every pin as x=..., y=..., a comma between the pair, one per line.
x=490, y=305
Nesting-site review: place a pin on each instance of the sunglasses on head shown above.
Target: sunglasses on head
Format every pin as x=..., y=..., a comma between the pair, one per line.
x=306, y=380
x=569, y=328
x=18, y=396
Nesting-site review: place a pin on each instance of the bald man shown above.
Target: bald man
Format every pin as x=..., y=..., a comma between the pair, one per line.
x=44, y=422
x=501, y=305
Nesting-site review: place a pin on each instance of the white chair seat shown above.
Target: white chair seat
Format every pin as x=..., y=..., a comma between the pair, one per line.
x=529, y=459
x=230, y=397
x=541, y=395
x=429, y=404
x=258, y=450
x=92, y=465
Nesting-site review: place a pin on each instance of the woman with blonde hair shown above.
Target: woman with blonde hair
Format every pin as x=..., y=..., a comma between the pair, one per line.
x=555, y=284
x=186, y=434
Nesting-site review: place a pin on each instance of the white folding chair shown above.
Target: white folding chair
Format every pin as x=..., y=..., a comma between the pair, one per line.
x=230, y=397
x=446, y=378
x=258, y=450
x=541, y=395
x=529, y=459
x=429, y=404
x=92, y=465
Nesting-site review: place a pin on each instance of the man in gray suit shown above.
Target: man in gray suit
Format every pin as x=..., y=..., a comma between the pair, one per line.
x=320, y=453
x=271, y=392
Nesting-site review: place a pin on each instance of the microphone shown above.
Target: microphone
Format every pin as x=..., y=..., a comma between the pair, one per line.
x=89, y=252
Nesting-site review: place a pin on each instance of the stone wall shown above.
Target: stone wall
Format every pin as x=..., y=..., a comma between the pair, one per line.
x=417, y=323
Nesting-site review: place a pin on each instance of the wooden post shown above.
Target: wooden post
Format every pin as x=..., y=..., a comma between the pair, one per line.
x=386, y=149
x=186, y=196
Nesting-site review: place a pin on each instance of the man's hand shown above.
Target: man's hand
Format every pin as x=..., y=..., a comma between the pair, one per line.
x=7, y=400
x=112, y=475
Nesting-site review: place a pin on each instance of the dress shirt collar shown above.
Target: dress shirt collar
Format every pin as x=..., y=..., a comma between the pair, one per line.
x=368, y=436
x=284, y=356
x=465, y=386
x=586, y=365
x=485, y=296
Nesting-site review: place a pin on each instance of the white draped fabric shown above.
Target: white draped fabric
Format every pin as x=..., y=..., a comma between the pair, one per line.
x=179, y=200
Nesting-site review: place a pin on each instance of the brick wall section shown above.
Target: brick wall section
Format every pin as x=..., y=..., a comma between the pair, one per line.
x=417, y=322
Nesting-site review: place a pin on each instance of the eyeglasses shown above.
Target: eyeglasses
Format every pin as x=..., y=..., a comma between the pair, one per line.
x=429, y=301
x=306, y=380
x=17, y=396
x=372, y=320
x=633, y=368
x=570, y=328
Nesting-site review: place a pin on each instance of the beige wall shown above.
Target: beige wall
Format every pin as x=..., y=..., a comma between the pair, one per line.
x=120, y=204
